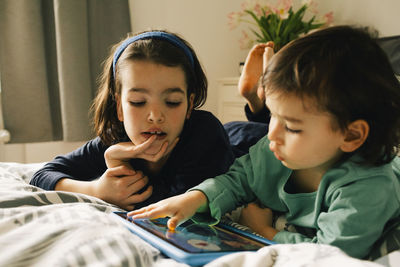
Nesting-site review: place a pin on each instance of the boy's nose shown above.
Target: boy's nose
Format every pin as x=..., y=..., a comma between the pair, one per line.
x=274, y=131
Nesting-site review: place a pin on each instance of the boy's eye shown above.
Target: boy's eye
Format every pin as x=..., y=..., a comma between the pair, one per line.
x=137, y=103
x=292, y=130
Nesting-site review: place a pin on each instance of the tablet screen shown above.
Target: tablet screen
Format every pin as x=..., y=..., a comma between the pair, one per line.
x=198, y=238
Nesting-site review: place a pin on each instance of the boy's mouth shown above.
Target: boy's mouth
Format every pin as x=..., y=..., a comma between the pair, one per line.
x=278, y=157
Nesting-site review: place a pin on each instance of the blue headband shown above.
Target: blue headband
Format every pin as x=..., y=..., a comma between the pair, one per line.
x=156, y=35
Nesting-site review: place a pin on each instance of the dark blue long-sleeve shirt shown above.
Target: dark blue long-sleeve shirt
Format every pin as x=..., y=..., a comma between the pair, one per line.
x=203, y=151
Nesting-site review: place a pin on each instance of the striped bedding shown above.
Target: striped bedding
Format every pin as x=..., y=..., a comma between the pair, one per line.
x=49, y=228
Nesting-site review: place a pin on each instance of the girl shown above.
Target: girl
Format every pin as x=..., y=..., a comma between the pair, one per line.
x=152, y=142
x=329, y=160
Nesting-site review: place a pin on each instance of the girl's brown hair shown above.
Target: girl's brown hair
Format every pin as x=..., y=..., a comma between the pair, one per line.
x=104, y=108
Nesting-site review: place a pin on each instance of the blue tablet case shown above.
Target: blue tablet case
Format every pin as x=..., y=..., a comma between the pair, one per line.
x=192, y=243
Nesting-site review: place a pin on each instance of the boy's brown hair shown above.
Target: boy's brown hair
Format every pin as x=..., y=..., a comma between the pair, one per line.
x=348, y=75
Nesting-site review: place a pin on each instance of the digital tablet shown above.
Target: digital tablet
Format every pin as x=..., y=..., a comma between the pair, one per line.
x=191, y=243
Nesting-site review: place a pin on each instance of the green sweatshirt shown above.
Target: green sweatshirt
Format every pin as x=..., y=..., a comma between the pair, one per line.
x=349, y=210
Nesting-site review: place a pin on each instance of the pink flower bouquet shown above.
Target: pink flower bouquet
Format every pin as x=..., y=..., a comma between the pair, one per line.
x=279, y=23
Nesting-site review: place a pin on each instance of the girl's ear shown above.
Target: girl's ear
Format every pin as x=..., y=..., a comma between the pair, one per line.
x=356, y=134
x=119, y=107
x=190, y=106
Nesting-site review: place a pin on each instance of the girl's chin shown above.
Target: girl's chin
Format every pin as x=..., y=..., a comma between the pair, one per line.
x=154, y=148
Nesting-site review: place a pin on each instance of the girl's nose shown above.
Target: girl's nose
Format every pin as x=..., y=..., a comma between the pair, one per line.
x=275, y=131
x=156, y=115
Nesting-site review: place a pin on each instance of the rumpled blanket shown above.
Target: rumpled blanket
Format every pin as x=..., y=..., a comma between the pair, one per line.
x=54, y=228
x=49, y=228
x=292, y=255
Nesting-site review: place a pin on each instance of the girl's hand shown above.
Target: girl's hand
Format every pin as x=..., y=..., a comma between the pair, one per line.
x=119, y=154
x=119, y=186
x=179, y=208
x=258, y=219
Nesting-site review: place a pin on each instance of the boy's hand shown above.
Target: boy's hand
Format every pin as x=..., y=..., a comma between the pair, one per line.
x=119, y=154
x=258, y=219
x=119, y=186
x=179, y=208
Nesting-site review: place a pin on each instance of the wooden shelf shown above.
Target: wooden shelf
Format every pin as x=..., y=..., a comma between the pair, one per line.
x=230, y=102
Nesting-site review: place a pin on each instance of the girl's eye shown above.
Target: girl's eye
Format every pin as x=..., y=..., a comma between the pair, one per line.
x=173, y=103
x=292, y=130
x=137, y=103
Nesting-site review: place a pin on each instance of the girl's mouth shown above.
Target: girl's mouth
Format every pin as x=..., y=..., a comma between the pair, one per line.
x=160, y=135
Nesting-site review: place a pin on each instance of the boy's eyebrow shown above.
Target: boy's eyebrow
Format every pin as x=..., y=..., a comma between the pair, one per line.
x=291, y=119
x=288, y=118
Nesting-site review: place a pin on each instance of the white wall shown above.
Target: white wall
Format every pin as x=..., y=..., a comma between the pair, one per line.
x=383, y=15
x=204, y=24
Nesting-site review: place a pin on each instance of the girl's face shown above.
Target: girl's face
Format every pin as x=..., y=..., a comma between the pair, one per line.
x=153, y=101
x=302, y=139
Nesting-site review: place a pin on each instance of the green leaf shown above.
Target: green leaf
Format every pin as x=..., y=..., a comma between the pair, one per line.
x=272, y=27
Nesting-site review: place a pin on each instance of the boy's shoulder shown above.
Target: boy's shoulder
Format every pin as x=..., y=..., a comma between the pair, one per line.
x=354, y=181
x=350, y=172
x=261, y=146
x=396, y=166
x=260, y=153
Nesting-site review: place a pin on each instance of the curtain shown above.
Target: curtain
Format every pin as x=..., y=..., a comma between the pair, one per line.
x=50, y=58
x=391, y=46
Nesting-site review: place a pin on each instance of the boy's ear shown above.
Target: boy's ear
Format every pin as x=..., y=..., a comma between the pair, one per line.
x=119, y=107
x=190, y=106
x=355, y=135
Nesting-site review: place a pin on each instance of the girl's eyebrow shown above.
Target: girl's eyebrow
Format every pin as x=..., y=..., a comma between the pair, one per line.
x=174, y=90
x=139, y=90
x=166, y=91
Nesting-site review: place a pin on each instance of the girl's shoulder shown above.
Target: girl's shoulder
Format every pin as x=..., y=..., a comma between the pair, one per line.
x=199, y=117
x=203, y=123
x=203, y=132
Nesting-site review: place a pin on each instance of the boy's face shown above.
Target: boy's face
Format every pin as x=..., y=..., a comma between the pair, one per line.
x=302, y=139
x=153, y=101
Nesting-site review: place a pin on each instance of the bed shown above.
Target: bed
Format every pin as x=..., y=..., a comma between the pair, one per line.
x=48, y=228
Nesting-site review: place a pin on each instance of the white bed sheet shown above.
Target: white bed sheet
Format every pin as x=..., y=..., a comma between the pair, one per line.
x=49, y=228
